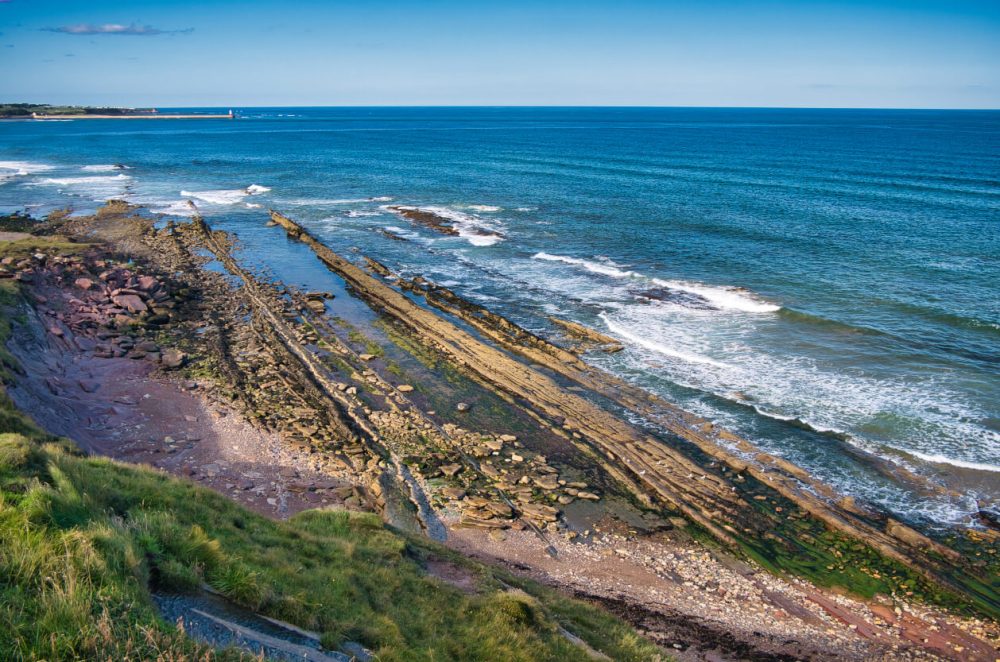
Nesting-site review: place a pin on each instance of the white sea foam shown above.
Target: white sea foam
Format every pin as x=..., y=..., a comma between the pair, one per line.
x=965, y=464
x=657, y=347
x=23, y=168
x=321, y=202
x=85, y=181
x=593, y=267
x=474, y=229
x=103, y=168
x=477, y=239
x=253, y=205
x=172, y=207
x=924, y=417
x=484, y=208
x=361, y=213
x=218, y=197
x=723, y=297
x=226, y=196
x=728, y=298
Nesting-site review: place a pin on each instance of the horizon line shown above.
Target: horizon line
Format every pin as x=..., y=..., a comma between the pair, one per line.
x=556, y=106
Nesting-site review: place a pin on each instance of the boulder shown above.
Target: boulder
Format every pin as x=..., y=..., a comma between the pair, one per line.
x=547, y=482
x=173, y=358
x=130, y=302
x=540, y=511
x=146, y=283
x=494, y=444
x=454, y=493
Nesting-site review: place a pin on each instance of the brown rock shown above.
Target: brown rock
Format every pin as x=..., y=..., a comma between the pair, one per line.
x=494, y=444
x=451, y=469
x=454, y=493
x=146, y=283
x=476, y=522
x=549, y=483
x=173, y=358
x=130, y=302
x=540, y=512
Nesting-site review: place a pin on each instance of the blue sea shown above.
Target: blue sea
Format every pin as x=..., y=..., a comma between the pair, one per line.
x=824, y=282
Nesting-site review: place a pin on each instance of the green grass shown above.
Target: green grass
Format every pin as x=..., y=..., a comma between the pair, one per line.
x=84, y=540
x=53, y=244
x=9, y=293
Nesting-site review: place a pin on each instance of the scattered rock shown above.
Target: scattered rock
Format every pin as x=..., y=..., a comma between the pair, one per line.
x=130, y=302
x=173, y=358
x=551, y=483
x=454, y=493
x=540, y=511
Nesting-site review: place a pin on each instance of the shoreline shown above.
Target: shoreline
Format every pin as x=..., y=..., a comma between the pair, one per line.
x=423, y=470
x=164, y=116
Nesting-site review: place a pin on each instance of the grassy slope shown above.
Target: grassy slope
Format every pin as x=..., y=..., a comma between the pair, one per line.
x=83, y=540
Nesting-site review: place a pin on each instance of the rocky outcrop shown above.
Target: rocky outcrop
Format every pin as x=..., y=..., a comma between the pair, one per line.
x=715, y=497
x=588, y=335
x=428, y=219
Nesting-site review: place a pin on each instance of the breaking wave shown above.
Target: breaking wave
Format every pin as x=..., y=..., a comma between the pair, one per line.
x=226, y=196
x=93, y=179
x=24, y=168
x=474, y=229
x=964, y=464
x=654, y=346
x=729, y=298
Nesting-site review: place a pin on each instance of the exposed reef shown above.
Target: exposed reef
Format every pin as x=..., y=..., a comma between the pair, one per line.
x=716, y=479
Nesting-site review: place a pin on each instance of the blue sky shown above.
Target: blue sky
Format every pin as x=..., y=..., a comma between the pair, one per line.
x=880, y=53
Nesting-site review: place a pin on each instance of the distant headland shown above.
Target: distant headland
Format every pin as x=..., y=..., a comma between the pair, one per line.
x=39, y=111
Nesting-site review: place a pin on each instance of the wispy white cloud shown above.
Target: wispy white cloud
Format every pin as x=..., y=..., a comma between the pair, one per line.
x=132, y=29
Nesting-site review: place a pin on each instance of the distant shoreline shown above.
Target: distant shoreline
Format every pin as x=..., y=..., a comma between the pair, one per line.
x=37, y=111
x=126, y=117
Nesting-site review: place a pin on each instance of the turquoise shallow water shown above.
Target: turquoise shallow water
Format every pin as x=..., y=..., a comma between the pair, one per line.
x=821, y=281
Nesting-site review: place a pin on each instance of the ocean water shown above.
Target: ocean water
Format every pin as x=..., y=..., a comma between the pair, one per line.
x=825, y=282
